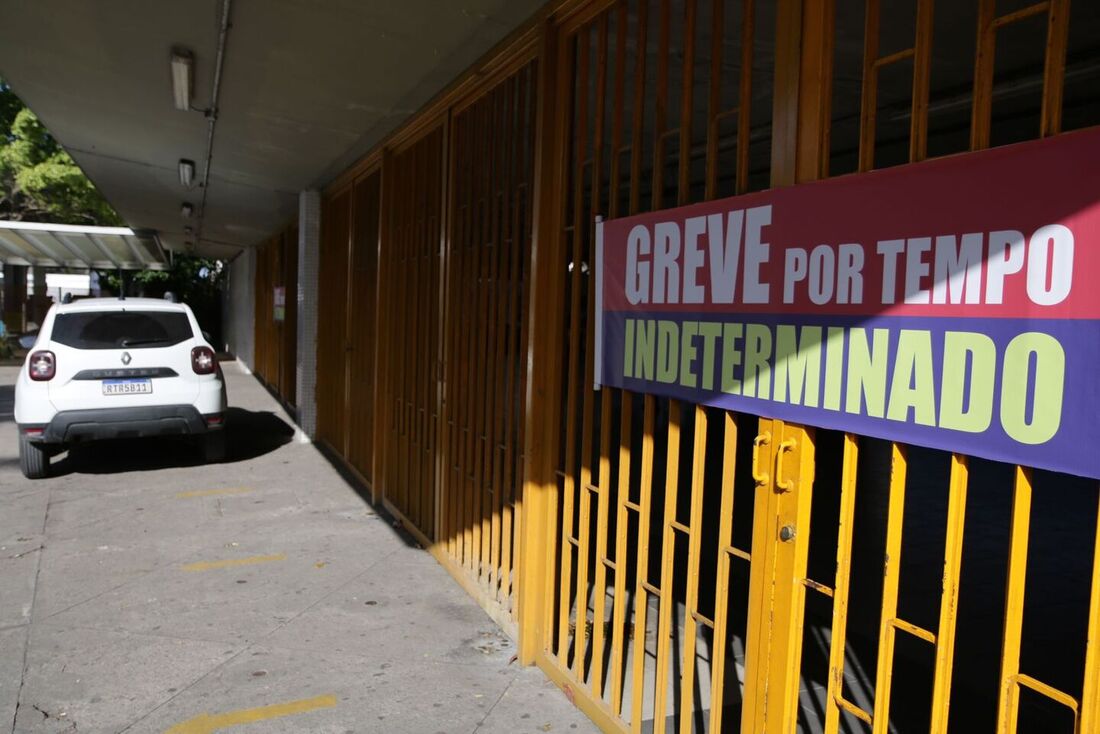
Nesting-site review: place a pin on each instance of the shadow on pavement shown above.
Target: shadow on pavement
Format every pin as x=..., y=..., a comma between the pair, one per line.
x=357, y=484
x=249, y=435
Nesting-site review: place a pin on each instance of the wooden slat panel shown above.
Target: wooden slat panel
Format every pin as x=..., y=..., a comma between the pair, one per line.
x=275, y=347
x=363, y=272
x=272, y=363
x=412, y=253
x=331, y=319
x=289, y=349
x=263, y=323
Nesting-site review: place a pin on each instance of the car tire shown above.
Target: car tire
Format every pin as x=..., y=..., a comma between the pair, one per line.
x=213, y=447
x=34, y=459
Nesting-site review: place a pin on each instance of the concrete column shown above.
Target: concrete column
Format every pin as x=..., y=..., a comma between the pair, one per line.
x=309, y=258
x=15, y=295
x=40, y=302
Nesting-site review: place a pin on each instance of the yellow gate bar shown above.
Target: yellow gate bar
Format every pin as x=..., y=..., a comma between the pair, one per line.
x=891, y=580
x=949, y=596
x=641, y=599
x=1009, y=702
x=793, y=493
x=1090, y=697
x=691, y=602
x=835, y=693
x=622, y=525
x=599, y=609
x=722, y=583
x=760, y=579
x=668, y=552
x=777, y=596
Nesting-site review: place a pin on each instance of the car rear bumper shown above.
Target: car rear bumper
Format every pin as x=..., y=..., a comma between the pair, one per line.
x=71, y=426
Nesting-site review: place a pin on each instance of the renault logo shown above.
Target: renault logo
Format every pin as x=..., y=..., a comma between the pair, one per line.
x=125, y=358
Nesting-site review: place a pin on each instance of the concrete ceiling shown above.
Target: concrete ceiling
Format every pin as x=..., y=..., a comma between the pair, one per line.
x=308, y=86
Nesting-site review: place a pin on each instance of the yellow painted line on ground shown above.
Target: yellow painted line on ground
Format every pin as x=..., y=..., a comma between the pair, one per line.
x=212, y=492
x=205, y=723
x=232, y=562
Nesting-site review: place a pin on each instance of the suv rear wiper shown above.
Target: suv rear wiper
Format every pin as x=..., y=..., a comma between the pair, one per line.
x=139, y=342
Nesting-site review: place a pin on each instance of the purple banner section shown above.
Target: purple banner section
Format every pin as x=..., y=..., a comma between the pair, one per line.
x=1013, y=390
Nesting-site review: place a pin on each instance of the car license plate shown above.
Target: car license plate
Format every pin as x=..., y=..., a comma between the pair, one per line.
x=127, y=387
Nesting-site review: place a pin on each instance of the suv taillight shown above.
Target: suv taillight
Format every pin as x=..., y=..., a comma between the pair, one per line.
x=42, y=366
x=203, y=361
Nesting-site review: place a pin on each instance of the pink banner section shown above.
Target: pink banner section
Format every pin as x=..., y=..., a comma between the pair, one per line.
x=946, y=303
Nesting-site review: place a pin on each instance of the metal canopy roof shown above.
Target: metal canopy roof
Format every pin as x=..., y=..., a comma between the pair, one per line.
x=72, y=246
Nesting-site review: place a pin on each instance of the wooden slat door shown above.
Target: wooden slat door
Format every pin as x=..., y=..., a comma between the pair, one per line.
x=412, y=265
x=362, y=292
x=288, y=346
x=332, y=320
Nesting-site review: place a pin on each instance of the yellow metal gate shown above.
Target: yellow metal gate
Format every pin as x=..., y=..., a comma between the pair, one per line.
x=652, y=588
x=674, y=567
x=486, y=337
x=685, y=593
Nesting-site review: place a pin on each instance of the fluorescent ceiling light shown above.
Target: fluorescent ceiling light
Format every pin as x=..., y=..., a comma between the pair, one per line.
x=186, y=210
x=187, y=173
x=182, y=63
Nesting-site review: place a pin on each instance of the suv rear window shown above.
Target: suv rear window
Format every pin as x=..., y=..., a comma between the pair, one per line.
x=121, y=329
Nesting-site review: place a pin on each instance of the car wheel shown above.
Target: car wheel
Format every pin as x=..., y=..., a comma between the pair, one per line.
x=34, y=459
x=213, y=447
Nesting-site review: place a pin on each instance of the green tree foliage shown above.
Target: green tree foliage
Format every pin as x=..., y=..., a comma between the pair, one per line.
x=192, y=279
x=196, y=281
x=39, y=181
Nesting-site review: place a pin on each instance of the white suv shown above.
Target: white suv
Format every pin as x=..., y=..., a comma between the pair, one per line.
x=117, y=368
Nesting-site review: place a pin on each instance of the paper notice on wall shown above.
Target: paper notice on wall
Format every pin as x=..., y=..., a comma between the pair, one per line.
x=280, y=303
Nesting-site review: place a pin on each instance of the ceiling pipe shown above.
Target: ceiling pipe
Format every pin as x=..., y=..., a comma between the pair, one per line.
x=212, y=114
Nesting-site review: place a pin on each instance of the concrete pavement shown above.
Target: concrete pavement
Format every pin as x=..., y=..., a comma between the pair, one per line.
x=143, y=592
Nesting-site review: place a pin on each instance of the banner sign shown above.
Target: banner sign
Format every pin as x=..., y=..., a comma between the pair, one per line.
x=953, y=303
